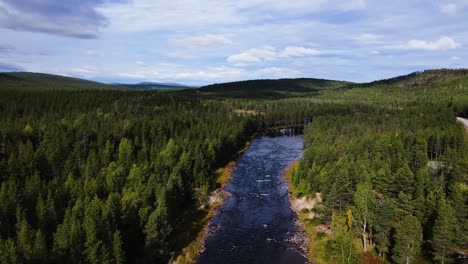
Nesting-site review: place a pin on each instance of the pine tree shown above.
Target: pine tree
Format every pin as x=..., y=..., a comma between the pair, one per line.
x=384, y=221
x=25, y=236
x=404, y=180
x=444, y=233
x=61, y=243
x=408, y=237
x=91, y=227
x=118, y=255
x=8, y=251
x=115, y=177
x=405, y=204
x=158, y=231
x=125, y=154
x=40, y=247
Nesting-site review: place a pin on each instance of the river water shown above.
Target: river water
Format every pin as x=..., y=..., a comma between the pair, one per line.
x=256, y=224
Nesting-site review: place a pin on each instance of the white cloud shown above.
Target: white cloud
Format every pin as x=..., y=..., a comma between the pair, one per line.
x=291, y=51
x=210, y=74
x=304, y=5
x=177, y=73
x=86, y=71
x=145, y=15
x=367, y=38
x=269, y=54
x=91, y=53
x=180, y=55
x=444, y=43
x=254, y=55
x=455, y=58
x=79, y=19
x=449, y=8
x=375, y=52
x=140, y=63
x=202, y=41
x=353, y=5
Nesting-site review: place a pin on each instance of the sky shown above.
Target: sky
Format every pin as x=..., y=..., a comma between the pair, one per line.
x=198, y=42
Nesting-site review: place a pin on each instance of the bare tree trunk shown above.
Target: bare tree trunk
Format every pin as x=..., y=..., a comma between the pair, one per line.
x=364, y=239
x=364, y=242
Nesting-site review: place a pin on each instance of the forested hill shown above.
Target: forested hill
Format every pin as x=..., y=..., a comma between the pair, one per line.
x=426, y=77
x=41, y=81
x=283, y=88
x=153, y=86
x=270, y=88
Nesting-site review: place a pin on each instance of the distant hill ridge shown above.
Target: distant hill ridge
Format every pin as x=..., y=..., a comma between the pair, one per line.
x=153, y=85
x=271, y=88
x=43, y=81
x=418, y=78
x=249, y=88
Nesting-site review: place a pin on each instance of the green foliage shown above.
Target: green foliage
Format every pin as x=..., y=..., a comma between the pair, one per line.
x=364, y=207
x=444, y=233
x=343, y=248
x=89, y=173
x=85, y=169
x=395, y=145
x=408, y=237
x=118, y=254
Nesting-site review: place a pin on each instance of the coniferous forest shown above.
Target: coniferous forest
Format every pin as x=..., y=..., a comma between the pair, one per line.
x=92, y=173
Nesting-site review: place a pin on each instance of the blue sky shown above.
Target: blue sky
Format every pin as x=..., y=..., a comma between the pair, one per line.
x=198, y=42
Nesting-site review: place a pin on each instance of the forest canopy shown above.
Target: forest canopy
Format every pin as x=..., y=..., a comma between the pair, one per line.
x=92, y=173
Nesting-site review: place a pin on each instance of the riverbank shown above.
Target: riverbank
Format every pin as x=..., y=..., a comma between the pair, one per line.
x=317, y=234
x=301, y=239
x=256, y=223
x=204, y=214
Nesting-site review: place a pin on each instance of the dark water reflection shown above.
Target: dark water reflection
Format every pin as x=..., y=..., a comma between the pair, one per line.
x=256, y=224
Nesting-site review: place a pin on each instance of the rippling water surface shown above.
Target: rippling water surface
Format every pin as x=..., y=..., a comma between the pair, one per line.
x=256, y=224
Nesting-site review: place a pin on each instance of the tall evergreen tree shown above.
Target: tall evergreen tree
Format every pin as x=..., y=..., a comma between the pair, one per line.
x=408, y=238
x=118, y=254
x=444, y=233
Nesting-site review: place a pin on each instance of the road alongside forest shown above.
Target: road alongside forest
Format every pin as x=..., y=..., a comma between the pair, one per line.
x=464, y=122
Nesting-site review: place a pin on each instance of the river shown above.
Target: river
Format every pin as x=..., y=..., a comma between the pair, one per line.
x=256, y=223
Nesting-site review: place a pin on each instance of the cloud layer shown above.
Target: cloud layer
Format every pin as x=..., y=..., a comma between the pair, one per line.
x=444, y=43
x=199, y=42
x=270, y=54
x=74, y=18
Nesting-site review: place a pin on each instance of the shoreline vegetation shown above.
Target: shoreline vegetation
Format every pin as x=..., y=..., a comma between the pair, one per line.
x=208, y=210
x=303, y=207
x=318, y=234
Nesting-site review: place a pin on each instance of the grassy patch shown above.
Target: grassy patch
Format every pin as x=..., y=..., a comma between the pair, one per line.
x=288, y=173
x=317, y=248
x=245, y=112
x=194, y=230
